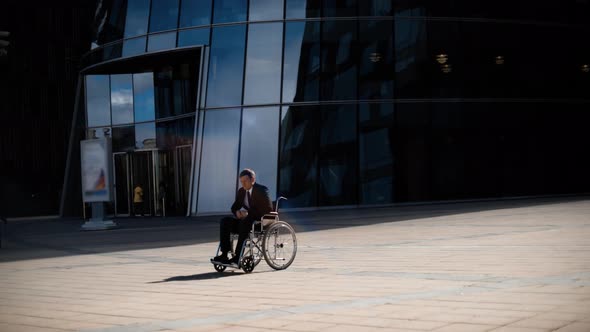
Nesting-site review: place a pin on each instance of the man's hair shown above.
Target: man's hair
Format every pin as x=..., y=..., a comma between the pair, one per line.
x=248, y=172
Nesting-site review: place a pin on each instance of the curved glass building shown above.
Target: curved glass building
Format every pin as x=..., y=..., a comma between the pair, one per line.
x=341, y=102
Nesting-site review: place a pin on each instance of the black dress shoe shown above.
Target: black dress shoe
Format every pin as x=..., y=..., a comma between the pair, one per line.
x=234, y=260
x=220, y=259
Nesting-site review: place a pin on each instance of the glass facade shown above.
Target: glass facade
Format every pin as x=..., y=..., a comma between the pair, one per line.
x=350, y=102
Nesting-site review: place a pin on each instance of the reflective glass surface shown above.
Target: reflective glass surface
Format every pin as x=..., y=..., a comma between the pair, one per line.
x=266, y=10
x=338, y=155
x=110, y=22
x=219, y=161
x=195, y=12
x=164, y=15
x=376, y=61
x=412, y=64
x=193, y=37
x=166, y=134
x=259, y=145
x=175, y=88
x=301, y=67
x=376, y=150
x=143, y=97
x=123, y=139
x=122, y=98
x=375, y=7
x=263, y=63
x=303, y=8
x=342, y=8
x=230, y=11
x=226, y=66
x=161, y=41
x=339, y=63
x=185, y=130
x=145, y=136
x=298, y=153
x=98, y=100
x=136, y=22
x=134, y=46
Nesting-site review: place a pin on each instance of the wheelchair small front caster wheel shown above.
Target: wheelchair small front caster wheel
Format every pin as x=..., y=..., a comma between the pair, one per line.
x=219, y=268
x=248, y=264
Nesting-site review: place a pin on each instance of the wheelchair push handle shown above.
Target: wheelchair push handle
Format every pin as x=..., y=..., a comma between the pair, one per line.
x=277, y=203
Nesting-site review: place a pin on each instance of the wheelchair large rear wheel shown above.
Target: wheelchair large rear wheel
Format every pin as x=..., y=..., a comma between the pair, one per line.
x=279, y=245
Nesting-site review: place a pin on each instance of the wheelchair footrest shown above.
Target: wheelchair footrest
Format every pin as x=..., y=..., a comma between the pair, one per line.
x=230, y=265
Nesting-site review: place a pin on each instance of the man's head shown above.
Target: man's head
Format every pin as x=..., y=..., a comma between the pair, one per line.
x=247, y=178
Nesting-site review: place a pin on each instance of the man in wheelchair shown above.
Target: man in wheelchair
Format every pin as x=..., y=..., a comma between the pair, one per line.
x=251, y=203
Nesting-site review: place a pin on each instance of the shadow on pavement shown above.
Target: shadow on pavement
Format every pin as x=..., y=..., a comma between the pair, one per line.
x=201, y=276
x=62, y=237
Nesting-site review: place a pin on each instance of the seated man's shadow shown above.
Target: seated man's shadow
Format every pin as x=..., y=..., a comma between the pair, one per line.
x=206, y=276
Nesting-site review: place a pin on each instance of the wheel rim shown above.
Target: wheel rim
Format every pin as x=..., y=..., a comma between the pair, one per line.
x=280, y=246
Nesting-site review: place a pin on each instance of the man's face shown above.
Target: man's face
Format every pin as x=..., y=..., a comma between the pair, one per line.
x=246, y=182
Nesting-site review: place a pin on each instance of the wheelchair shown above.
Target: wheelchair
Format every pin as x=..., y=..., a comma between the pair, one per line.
x=270, y=238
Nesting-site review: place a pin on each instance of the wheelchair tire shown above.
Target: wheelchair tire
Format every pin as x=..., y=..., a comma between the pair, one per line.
x=248, y=264
x=279, y=240
x=219, y=268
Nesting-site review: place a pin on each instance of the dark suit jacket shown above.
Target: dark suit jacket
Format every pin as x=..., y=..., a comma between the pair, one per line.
x=260, y=203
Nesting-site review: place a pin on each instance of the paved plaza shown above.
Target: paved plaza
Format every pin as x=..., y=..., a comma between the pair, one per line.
x=519, y=265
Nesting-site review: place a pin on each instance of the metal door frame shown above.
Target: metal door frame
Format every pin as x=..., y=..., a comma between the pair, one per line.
x=151, y=184
x=177, y=174
x=127, y=165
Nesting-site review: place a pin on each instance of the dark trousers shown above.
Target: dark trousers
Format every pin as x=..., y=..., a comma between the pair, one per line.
x=138, y=208
x=233, y=225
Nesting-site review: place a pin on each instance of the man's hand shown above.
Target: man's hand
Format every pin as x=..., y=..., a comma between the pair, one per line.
x=241, y=214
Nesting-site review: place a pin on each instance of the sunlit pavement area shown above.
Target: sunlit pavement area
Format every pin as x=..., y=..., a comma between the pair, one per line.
x=519, y=265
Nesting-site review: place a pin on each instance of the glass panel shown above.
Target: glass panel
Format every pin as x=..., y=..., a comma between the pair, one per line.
x=164, y=15
x=185, y=131
x=230, y=11
x=111, y=22
x=166, y=135
x=134, y=46
x=145, y=136
x=111, y=52
x=263, y=63
x=446, y=78
x=226, y=66
x=375, y=8
x=412, y=64
x=298, y=166
x=376, y=134
x=266, y=10
x=412, y=152
x=259, y=145
x=219, y=160
x=137, y=17
x=376, y=66
x=342, y=8
x=98, y=100
x=143, y=97
x=123, y=139
x=193, y=37
x=339, y=68
x=162, y=41
x=175, y=90
x=302, y=62
x=338, y=161
x=303, y=8
x=195, y=12
x=121, y=169
x=122, y=98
